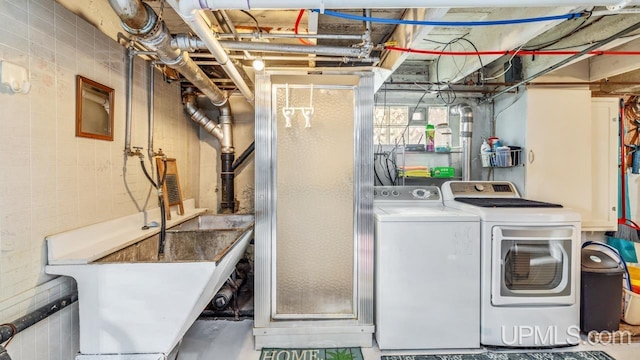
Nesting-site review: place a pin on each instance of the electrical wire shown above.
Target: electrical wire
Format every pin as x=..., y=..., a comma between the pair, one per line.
x=508, y=68
x=452, y=23
x=303, y=41
x=576, y=29
x=254, y=19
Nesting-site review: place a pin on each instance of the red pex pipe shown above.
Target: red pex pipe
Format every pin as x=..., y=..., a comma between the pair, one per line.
x=298, y=24
x=511, y=52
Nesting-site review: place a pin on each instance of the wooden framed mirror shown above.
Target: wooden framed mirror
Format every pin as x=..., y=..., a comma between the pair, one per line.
x=94, y=109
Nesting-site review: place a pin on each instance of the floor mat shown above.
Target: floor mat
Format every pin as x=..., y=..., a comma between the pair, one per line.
x=626, y=334
x=579, y=355
x=315, y=354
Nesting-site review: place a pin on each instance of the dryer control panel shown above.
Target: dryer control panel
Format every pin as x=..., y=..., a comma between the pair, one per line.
x=406, y=193
x=482, y=189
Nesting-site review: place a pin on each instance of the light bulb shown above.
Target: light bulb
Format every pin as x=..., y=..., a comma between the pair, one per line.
x=258, y=64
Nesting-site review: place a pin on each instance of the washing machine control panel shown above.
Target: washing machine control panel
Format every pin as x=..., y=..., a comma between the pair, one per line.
x=405, y=193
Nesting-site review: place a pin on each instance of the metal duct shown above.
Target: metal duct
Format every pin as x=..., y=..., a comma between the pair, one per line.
x=140, y=20
x=188, y=6
x=466, y=130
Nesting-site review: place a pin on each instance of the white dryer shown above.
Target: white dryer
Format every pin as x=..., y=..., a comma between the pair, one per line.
x=530, y=265
x=427, y=264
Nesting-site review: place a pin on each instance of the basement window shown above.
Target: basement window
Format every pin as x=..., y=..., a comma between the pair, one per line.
x=390, y=123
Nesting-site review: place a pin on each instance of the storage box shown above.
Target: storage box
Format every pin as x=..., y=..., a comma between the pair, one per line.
x=443, y=172
x=631, y=308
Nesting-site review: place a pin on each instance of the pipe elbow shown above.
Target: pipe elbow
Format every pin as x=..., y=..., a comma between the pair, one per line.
x=464, y=110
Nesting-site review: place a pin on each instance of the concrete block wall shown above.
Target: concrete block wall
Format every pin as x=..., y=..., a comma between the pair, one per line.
x=52, y=181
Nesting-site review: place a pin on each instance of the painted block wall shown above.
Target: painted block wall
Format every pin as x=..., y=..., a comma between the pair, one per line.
x=50, y=180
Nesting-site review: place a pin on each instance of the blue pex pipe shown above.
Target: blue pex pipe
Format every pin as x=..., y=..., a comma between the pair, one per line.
x=452, y=23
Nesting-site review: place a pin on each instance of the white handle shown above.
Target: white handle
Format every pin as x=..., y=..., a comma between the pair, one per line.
x=531, y=157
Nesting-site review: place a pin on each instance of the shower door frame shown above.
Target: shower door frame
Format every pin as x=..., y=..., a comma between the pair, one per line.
x=301, y=331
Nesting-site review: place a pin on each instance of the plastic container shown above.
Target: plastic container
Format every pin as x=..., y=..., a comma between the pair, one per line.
x=601, y=292
x=443, y=172
x=443, y=138
x=485, y=153
x=503, y=156
x=430, y=134
x=631, y=308
x=634, y=274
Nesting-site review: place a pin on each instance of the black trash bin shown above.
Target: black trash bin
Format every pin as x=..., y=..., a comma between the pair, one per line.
x=601, y=292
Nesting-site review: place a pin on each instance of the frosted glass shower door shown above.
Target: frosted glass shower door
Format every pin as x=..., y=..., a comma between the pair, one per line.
x=314, y=275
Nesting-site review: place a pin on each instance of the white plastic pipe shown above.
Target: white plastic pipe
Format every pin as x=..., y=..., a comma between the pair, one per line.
x=187, y=6
x=201, y=26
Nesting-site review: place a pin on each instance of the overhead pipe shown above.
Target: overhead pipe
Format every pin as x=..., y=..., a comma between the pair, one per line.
x=190, y=6
x=466, y=131
x=343, y=59
x=190, y=43
x=559, y=64
x=261, y=35
x=202, y=27
x=139, y=20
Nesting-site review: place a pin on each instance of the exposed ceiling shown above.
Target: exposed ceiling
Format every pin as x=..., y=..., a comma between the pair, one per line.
x=403, y=70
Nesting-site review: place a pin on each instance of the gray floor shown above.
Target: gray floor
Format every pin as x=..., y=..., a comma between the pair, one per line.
x=228, y=340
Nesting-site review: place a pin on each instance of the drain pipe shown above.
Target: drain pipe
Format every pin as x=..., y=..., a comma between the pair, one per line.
x=9, y=330
x=227, y=203
x=466, y=130
x=223, y=132
x=139, y=20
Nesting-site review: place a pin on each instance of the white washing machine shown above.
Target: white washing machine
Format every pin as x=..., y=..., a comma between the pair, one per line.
x=530, y=265
x=427, y=264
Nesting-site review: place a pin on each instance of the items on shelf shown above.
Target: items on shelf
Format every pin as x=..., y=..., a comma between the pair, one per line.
x=494, y=154
x=443, y=172
x=443, y=138
x=425, y=172
x=430, y=137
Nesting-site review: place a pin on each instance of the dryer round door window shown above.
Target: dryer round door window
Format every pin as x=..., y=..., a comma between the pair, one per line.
x=532, y=266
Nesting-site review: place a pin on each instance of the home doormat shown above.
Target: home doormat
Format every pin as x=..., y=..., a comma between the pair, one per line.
x=353, y=353
x=579, y=355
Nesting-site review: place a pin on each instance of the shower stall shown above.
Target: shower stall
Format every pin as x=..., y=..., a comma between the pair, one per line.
x=314, y=222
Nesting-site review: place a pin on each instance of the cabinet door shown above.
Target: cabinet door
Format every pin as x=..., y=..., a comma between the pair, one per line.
x=604, y=165
x=559, y=148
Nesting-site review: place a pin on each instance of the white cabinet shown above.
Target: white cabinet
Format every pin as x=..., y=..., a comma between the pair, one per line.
x=569, y=145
